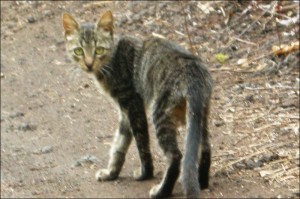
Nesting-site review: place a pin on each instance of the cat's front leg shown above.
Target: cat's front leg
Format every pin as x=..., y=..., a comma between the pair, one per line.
x=138, y=121
x=118, y=151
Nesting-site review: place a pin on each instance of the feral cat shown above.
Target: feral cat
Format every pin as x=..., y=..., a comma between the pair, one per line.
x=156, y=77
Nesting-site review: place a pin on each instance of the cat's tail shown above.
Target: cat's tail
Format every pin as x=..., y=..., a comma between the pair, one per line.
x=197, y=98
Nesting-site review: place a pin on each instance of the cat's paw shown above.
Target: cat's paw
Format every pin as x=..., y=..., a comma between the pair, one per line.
x=142, y=174
x=154, y=191
x=158, y=192
x=106, y=175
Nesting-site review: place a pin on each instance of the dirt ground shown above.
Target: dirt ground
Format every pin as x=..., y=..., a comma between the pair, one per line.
x=56, y=128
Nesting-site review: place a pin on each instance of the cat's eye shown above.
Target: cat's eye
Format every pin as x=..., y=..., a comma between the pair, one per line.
x=99, y=50
x=78, y=51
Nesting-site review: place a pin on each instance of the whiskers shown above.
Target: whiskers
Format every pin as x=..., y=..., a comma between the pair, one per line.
x=105, y=70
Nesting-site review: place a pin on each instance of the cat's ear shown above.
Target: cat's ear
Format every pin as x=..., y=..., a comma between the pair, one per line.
x=70, y=24
x=106, y=22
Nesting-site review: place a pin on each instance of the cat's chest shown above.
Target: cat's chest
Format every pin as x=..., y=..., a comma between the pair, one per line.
x=103, y=89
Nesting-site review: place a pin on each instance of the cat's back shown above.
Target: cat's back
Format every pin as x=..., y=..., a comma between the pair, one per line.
x=164, y=66
x=166, y=57
x=162, y=47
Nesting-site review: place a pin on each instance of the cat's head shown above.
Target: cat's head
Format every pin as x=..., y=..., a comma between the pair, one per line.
x=90, y=45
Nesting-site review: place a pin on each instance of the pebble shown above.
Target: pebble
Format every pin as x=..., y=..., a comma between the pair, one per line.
x=234, y=47
x=121, y=22
x=248, y=164
x=219, y=123
x=217, y=98
x=47, y=13
x=240, y=165
x=36, y=193
x=86, y=86
x=268, y=157
x=27, y=127
x=87, y=159
x=16, y=114
x=249, y=98
x=59, y=42
x=31, y=19
x=47, y=149
x=77, y=164
x=286, y=103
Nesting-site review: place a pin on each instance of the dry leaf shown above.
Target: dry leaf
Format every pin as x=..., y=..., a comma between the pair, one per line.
x=158, y=35
x=287, y=22
x=285, y=49
x=242, y=61
x=265, y=173
x=205, y=7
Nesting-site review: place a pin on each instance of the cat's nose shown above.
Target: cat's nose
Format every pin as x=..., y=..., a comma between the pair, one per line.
x=89, y=66
x=89, y=62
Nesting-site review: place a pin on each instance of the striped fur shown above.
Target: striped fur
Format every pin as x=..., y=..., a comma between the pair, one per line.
x=154, y=77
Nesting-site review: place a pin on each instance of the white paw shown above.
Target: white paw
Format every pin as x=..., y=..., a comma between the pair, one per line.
x=105, y=175
x=154, y=191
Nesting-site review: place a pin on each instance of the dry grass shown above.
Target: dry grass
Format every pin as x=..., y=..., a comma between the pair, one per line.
x=257, y=101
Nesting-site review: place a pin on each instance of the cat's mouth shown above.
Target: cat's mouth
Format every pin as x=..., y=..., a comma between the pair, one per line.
x=89, y=67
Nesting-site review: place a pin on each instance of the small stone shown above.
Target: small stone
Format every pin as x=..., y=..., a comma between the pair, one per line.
x=47, y=13
x=76, y=164
x=219, y=123
x=35, y=193
x=59, y=42
x=250, y=164
x=136, y=18
x=36, y=151
x=86, y=86
x=89, y=159
x=240, y=165
x=286, y=103
x=249, y=98
x=234, y=47
x=47, y=149
x=123, y=20
x=16, y=114
x=232, y=110
x=217, y=98
x=268, y=157
x=162, y=5
x=93, y=159
x=27, y=127
x=31, y=19
x=258, y=164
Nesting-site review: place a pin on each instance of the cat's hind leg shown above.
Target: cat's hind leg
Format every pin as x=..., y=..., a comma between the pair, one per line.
x=166, y=135
x=118, y=151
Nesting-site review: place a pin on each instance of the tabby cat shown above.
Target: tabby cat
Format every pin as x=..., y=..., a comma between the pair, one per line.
x=152, y=76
